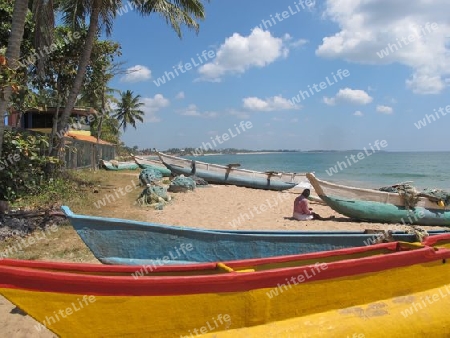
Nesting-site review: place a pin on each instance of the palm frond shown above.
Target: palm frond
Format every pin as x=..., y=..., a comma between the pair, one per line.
x=175, y=12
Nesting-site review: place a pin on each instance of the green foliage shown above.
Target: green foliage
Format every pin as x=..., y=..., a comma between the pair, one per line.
x=128, y=111
x=6, y=12
x=7, y=77
x=22, y=168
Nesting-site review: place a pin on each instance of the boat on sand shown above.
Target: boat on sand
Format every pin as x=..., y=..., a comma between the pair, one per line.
x=127, y=242
x=232, y=174
x=381, y=206
x=373, y=291
x=144, y=163
x=116, y=165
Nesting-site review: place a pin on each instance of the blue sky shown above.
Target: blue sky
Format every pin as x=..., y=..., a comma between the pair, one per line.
x=256, y=60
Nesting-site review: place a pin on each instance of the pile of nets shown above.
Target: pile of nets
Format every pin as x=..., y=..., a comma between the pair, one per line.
x=149, y=175
x=199, y=182
x=410, y=195
x=154, y=196
x=182, y=184
x=440, y=197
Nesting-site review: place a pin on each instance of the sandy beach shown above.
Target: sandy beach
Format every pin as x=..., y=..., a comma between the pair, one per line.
x=213, y=207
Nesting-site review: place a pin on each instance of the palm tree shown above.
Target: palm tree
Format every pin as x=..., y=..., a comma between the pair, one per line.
x=44, y=22
x=128, y=111
x=101, y=14
x=12, y=55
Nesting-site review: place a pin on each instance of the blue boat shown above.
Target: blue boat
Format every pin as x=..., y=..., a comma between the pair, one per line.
x=127, y=242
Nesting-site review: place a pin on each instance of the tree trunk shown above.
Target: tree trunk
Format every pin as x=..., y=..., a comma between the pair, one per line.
x=13, y=55
x=99, y=129
x=81, y=71
x=54, y=125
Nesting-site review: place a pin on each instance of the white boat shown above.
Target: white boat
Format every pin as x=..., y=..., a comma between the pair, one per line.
x=380, y=206
x=231, y=174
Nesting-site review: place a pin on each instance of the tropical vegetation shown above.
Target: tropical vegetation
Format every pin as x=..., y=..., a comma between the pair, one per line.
x=62, y=63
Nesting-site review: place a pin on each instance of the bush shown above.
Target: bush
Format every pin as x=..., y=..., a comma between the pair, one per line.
x=23, y=165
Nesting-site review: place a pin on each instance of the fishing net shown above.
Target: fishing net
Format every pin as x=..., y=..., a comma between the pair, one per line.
x=154, y=196
x=406, y=191
x=420, y=233
x=411, y=196
x=199, y=182
x=182, y=184
x=439, y=196
x=149, y=175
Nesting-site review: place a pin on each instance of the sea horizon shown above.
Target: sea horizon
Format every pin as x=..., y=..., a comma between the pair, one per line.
x=372, y=169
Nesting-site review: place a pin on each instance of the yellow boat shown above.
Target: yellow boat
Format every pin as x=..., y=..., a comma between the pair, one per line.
x=384, y=290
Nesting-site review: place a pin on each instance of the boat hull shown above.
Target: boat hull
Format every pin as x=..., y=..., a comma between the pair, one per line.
x=233, y=179
x=231, y=174
x=145, y=164
x=118, y=241
x=374, y=291
x=378, y=206
x=387, y=213
x=121, y=166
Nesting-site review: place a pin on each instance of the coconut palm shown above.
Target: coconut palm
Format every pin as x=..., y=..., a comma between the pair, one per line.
x=12, y=55
x=128, y=111
x=43, y=11
x=101, y=13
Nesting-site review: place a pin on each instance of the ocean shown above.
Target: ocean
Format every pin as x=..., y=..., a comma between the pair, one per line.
x=358, y=168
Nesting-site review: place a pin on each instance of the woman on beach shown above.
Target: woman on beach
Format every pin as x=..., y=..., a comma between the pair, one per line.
x=302, y=211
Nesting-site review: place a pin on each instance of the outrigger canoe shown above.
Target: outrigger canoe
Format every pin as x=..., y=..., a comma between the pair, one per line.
x=127, y=242
x=115, y=165
x=379, y=206
x=231, y=174
x=146, y=163
x=385, y=290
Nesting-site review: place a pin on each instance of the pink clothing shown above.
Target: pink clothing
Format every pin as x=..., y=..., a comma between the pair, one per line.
x=301, y=206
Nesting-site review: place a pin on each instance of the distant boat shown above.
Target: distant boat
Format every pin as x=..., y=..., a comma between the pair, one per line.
x=116, y=165
x=153, y=164
x=230, y=174
x=120, y=241
x=379, y=206
x=389, y=289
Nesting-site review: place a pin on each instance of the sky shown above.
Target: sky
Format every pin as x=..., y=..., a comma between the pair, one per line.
x=297, y=75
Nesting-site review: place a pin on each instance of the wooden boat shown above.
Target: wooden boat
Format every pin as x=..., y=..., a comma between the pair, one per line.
x=230, y=174
x=116, y=165
x=119, y=241
x=379, y=206
x=389, y=289
x=146, y=163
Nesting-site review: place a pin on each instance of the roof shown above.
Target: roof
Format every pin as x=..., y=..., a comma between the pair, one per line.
x=86, y=138
x=84, y=111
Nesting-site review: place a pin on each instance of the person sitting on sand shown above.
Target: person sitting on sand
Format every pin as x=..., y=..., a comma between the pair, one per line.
x=302, y=211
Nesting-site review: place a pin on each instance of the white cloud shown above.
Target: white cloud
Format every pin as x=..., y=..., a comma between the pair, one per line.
x=180, y=96
x=153, y=105
x=239, y=113
x=329, y=101
x=136, y=74
x=385, y=109
x=298, y=43
x=239, y=53
x=348, y=95
x=192, y=110
x=366, y=28
x=270, y=104
x=358, y=113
